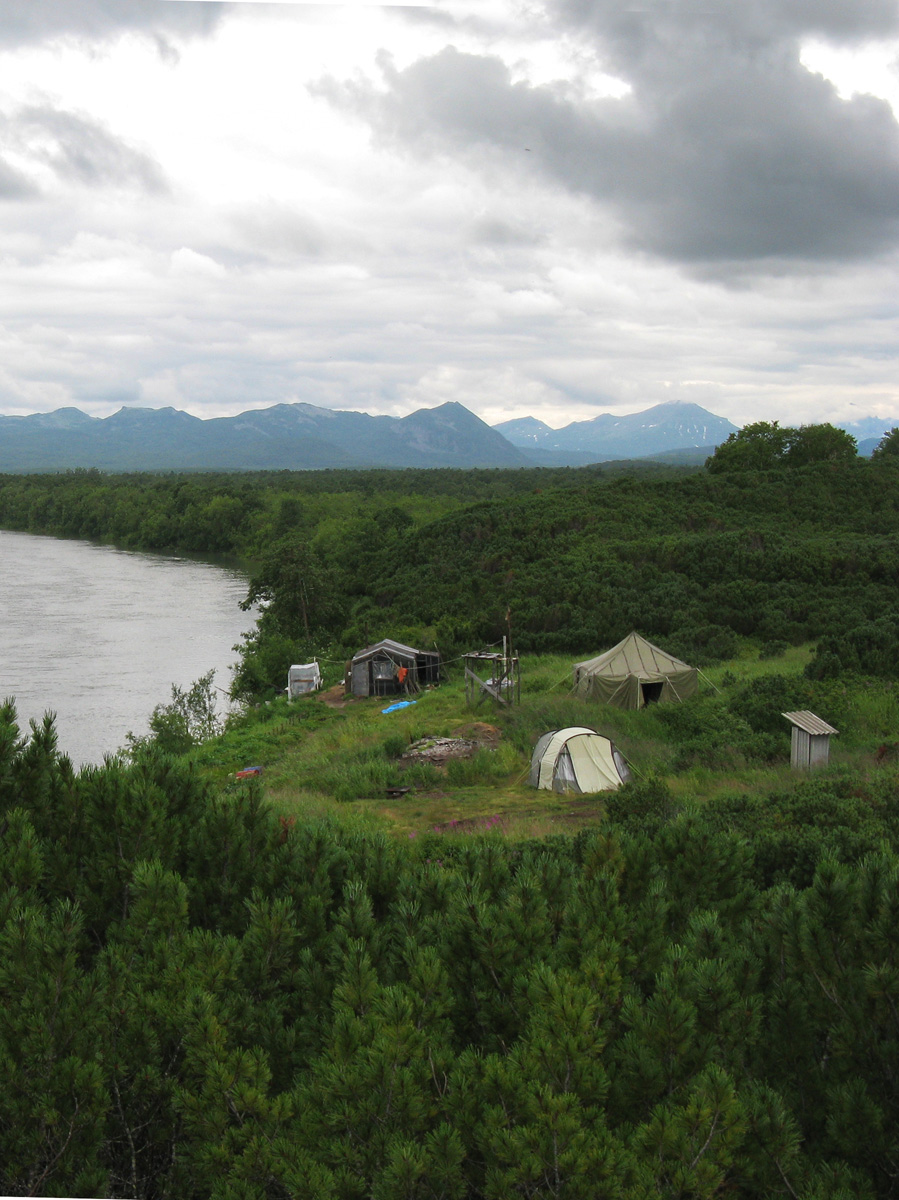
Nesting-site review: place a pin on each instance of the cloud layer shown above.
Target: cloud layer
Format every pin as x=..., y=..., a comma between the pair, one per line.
x=579, y=208
x=37, y=21
x=724, y=150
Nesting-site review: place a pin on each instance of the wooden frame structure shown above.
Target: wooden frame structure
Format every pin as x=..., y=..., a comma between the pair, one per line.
x=504, y=684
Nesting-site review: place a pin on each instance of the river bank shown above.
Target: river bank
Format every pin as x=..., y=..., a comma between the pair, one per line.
x=98, y=635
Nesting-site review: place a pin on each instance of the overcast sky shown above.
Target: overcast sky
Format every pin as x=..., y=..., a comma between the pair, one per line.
x=551, y=209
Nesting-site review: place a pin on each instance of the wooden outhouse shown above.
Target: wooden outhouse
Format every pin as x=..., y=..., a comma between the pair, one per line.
x=810, y=746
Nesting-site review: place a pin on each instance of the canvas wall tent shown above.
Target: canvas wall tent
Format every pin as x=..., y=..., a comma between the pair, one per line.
x=389, y=667
x=577, y=760
x=634, y=673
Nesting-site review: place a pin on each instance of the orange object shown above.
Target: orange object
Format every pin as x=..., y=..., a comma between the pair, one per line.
x=402, y=673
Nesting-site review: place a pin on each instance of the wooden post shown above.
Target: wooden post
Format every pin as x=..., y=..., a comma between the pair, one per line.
x=504, y=683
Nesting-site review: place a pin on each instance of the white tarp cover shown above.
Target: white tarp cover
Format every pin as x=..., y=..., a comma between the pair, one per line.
x=303, y=678
x=577, y=759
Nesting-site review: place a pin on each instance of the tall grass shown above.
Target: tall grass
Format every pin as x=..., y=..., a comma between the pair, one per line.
x=349, y=759
x=485, y=767
x=873, y=713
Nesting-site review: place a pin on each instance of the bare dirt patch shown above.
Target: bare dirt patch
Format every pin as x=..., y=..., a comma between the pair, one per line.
x=579, y=812
x=468, y=824
x=439, y=750
x=485, y=735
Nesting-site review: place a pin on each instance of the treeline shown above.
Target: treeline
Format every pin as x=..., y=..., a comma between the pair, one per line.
x=241, y=514
x=198, y=999
x=569, y=560
x=698, y=562
x=768, y=555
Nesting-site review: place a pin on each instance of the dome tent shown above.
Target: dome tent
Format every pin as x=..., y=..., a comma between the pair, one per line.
x=635, y=673
x=577, y=760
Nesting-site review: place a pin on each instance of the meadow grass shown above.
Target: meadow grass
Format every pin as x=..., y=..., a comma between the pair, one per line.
x=748, y=665
x=874, y=711
x=341, y=763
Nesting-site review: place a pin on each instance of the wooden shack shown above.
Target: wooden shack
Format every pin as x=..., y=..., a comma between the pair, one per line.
x=389, y=668
x=810, y=746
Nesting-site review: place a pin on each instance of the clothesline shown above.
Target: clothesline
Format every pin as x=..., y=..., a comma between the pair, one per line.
x=444, y=661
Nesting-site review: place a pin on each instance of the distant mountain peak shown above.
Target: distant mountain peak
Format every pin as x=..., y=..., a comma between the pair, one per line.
x=671, y=425
x=524, y=431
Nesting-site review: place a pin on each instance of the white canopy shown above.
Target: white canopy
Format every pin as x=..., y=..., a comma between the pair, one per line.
x=303, y=678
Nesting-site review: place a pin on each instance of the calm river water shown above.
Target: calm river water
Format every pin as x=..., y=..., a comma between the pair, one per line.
x=99, y=635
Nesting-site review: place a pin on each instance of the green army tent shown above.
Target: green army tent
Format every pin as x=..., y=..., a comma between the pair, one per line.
x=577, y=760
x=634, y=673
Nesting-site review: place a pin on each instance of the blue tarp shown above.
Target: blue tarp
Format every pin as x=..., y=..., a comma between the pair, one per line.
x=399, y=704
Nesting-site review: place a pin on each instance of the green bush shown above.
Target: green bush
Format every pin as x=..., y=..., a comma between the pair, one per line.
x=394, y=746
x=422, y=776
x=703, y=645
x=190, y=719
x=484, y=766
x=361, y=780
x=707, y=732
x=869, y=647
x=641, y=803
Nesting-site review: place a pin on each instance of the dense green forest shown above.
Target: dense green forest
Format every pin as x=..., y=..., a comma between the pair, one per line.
x=200, y=999
x=207, y=995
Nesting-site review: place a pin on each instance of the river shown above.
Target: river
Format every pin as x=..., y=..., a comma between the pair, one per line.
x=99, y=635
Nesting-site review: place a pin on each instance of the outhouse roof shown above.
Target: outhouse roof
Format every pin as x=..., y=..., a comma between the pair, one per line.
x=809, y=723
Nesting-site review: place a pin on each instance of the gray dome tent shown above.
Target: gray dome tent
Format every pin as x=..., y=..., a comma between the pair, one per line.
x=634, y=673
x=577, y=760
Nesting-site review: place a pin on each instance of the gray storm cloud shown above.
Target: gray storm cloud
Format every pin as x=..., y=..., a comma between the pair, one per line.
x=83, y=151
x=77, y=149
x=726, y=151
x=633, y=32
x=14, y=185
x=27, y=21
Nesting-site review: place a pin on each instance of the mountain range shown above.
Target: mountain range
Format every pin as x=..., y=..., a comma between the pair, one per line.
x=284, y=437
x=672, y=426
x=302, y=437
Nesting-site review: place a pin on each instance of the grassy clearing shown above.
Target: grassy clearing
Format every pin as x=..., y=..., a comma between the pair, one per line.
x=749, y=665
x=341, y=763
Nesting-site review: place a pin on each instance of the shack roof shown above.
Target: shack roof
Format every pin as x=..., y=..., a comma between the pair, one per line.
x=388, y=647
x=809, y=723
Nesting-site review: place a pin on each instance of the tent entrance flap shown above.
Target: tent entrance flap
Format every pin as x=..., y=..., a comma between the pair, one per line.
x=652, y=692
x=564, y=779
